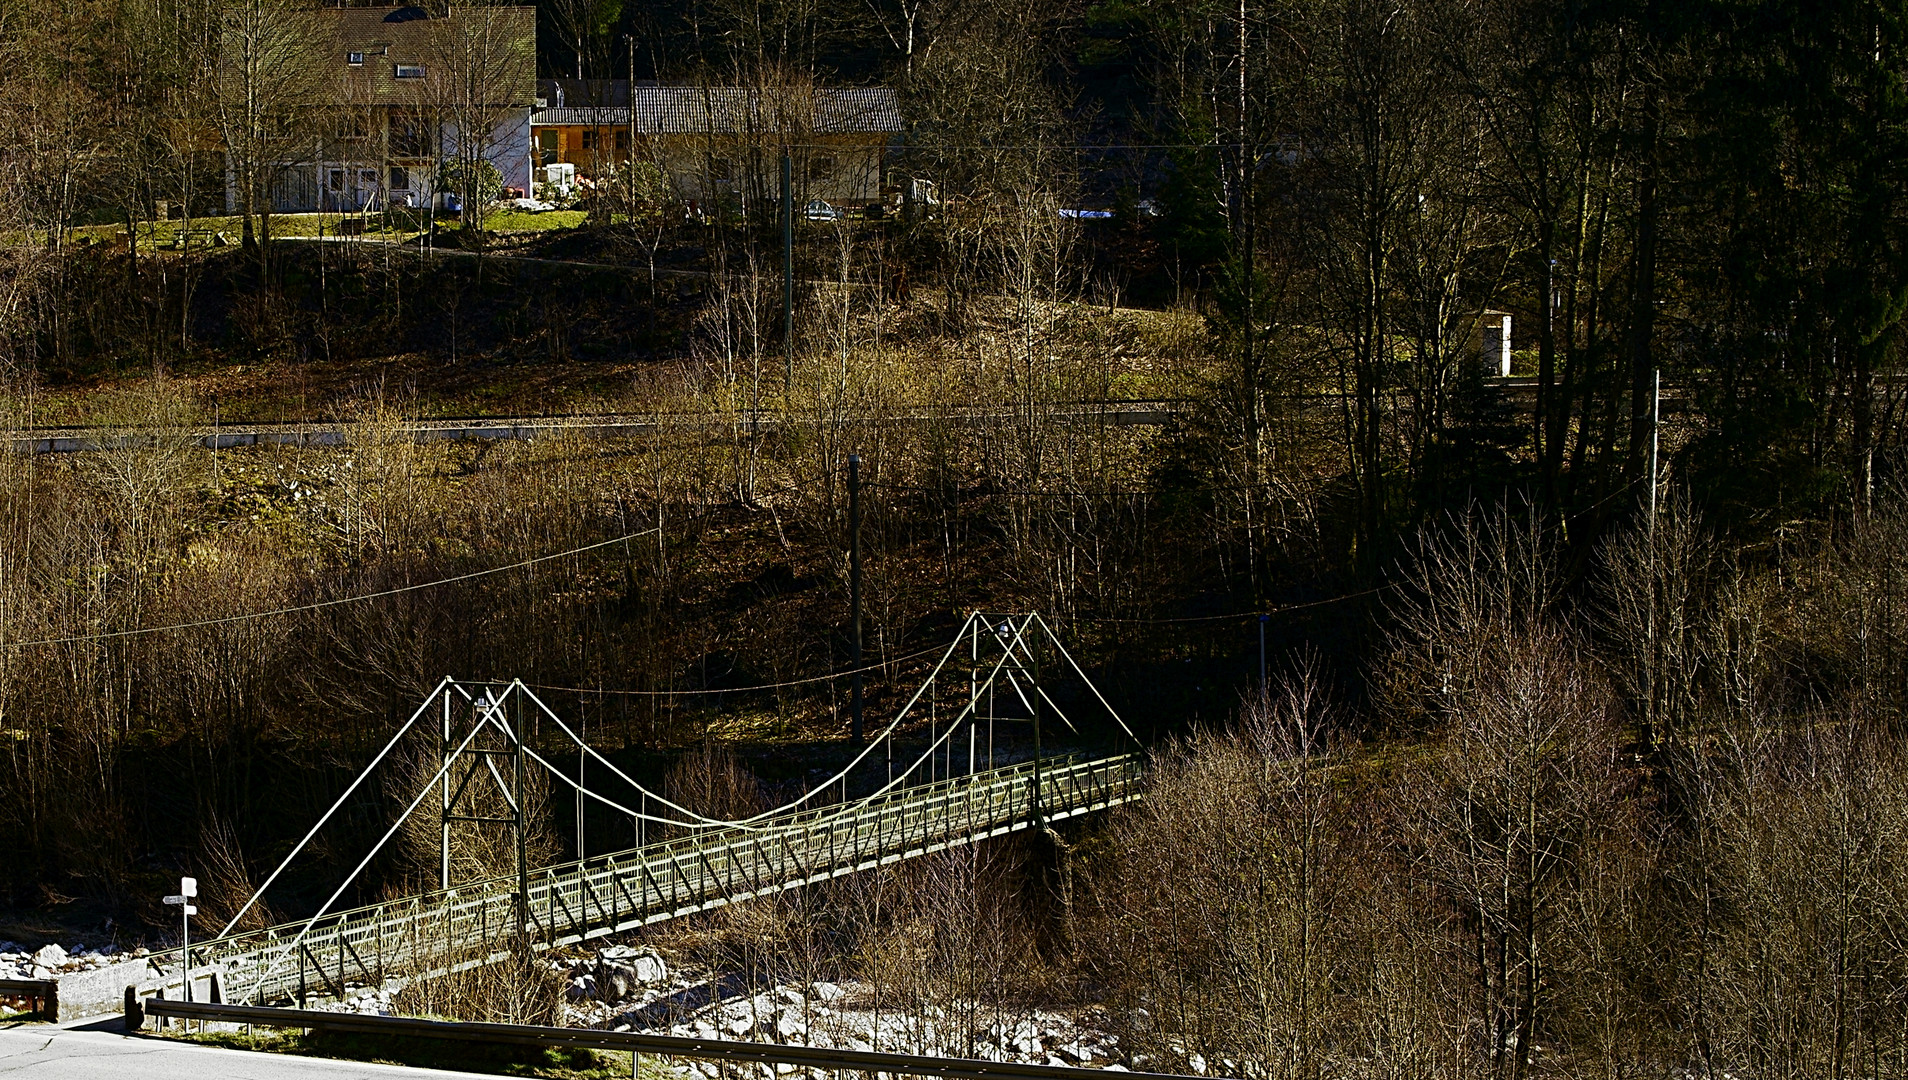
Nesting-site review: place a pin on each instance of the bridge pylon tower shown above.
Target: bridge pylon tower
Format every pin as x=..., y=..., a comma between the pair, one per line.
x=861, y=818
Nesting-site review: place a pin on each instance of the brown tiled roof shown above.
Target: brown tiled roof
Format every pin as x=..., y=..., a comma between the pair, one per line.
x=388, y=37
x=696, y=110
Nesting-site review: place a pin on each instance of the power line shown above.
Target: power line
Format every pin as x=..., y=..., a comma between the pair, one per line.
x=325, y=603
x=735, y=689
x=1279, y=610
x=1203, y=489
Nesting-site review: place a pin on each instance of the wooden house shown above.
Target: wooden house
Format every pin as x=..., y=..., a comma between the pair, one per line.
x=723, y=143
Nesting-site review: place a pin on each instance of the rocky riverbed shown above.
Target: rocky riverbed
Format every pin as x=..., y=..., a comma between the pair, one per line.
x=629, y=990
x=621, y=988
x=49, y=961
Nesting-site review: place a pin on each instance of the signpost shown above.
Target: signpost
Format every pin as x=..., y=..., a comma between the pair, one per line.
x=188, y=890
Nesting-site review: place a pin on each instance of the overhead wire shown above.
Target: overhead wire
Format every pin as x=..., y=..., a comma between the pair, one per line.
x=1229, y=616
x=738, y=689
x=1062, y=492
x=228, y=619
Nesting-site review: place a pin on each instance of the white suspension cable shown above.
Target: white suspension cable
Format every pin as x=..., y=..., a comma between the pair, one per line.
x=1111, y=711
x=824, y=785
x=750, y=823
x=334, y=809
x=1012, y=634
x=565, y=777
x=488, y=717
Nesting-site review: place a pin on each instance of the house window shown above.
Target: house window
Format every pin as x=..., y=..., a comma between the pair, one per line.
x=355, y=59
x=821, y=168
x=335, y=179
x=410, y=71
x=400, y=178
x=622, y=142
x=549, y=146
x=411, y=136
x=589, y=138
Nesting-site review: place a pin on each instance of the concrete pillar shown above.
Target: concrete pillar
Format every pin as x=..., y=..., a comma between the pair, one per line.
x=1495, y=330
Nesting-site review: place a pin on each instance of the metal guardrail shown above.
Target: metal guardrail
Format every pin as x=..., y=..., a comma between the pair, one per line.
x=813, y=1057
x=44, y=993
x=441, y=932
x=73, y=440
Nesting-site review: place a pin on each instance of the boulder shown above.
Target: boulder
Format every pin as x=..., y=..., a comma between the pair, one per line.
x=50, y=956
x=649, y=968
x=1073, y=1051
x=614, y=980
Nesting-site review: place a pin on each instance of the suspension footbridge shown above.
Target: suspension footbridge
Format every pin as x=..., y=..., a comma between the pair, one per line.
x=875, y=811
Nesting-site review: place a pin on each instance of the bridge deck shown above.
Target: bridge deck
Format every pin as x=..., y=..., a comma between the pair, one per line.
x=476, y=924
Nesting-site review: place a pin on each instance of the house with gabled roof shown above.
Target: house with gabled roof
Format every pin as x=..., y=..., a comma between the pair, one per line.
x=723, y=143
x=399, y=88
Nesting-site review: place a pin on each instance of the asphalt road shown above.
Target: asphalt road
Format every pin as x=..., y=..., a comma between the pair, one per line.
x=50, y=1053
x=604, y=426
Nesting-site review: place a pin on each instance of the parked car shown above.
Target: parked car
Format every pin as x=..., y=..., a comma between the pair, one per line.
x=822, y=210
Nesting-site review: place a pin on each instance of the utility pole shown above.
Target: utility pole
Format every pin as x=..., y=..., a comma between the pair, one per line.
x=1656, y=418
x=1656, y=423
x=1263, y=619
x=631, y=163
x=854, y=579
x=788, y=274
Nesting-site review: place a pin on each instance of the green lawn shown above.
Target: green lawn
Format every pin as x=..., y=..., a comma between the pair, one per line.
x=227, y=229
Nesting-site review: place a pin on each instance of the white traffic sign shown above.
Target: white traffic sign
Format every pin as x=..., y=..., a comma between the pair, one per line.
x=188, y=888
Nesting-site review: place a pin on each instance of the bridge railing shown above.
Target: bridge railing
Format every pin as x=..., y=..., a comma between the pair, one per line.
x=476, y=923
